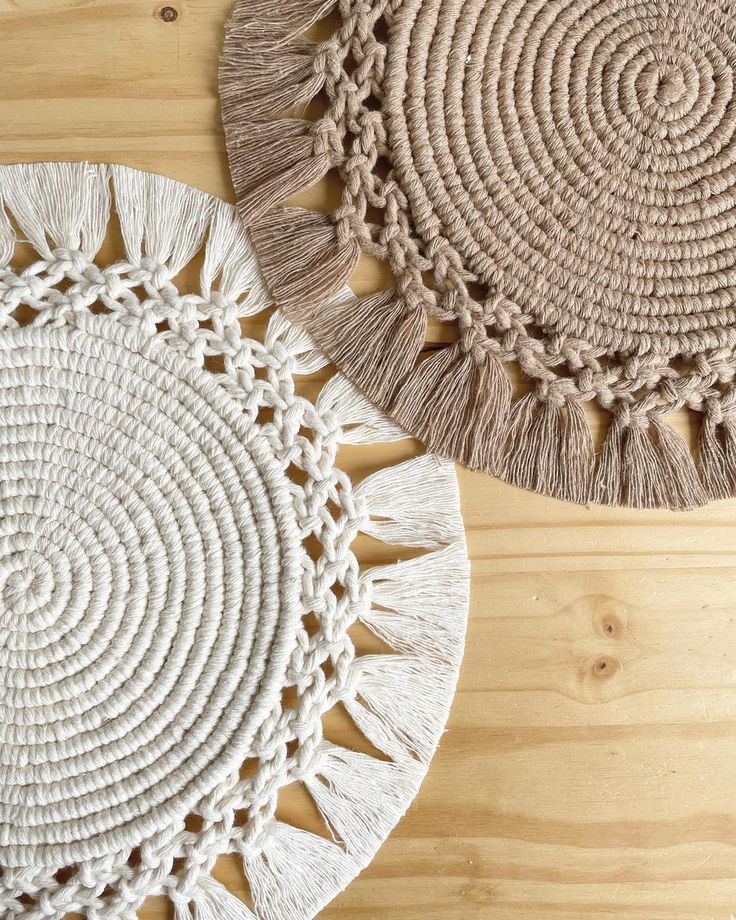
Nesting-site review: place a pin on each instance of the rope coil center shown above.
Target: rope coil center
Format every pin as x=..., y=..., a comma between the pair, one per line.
x=579, y=156
x=149, y=587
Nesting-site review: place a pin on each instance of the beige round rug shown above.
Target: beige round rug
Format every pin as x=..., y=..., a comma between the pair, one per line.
x=552, y=178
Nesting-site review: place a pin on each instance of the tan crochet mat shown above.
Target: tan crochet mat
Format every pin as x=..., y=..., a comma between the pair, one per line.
x=554, y=178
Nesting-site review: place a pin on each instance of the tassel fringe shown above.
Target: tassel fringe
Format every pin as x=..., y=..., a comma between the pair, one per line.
x=646, y=464
x=682, y=487
x=268, y=77
x=268, y=69
x=295, y=873
x=713, y=470
x=421, y=602
x=276, y=22
x=272, y=162
x=378, y=337
x=304, y=262
x=297, y=343
x=717, y=446
x=161, y=220
x=360, y=797
x=230, y=265
x=214, y=902
x=58, y=205
x=549, y=449
x=458, y=405
x=405, y=504
x=400, y=704
x=577, y=455
x=7, y=235
x=359, y=420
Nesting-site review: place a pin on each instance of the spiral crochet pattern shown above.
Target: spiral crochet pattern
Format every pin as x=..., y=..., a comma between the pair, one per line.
x=555, y=178
x=177, y=583
x=149, y=584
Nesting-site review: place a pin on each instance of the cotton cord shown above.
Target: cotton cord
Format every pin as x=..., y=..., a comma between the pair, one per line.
x=553, y=179
x=150, y=580
x=178, y=581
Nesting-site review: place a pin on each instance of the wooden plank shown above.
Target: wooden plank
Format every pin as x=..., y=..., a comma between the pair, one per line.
x=588, y=769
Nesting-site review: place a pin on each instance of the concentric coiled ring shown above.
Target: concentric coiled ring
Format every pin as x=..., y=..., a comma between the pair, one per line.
x=149, y=587
x=579, y=156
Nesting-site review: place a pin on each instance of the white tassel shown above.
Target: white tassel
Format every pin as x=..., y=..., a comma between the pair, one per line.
x=298, y=344
x=58, y=205
x=295, y=873
x=401, y=703
x=408, y=504
x=214, y=902
x=160, y=219
x=7, y=237
x=361, y=798
x=230, y=264
x=360, y=421
x=425, y=603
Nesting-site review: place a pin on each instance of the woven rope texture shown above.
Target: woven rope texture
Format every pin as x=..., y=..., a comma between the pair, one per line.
x=178, y=582
x=552, y=178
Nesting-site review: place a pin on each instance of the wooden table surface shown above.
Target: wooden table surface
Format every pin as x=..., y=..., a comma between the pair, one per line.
x=590, y=764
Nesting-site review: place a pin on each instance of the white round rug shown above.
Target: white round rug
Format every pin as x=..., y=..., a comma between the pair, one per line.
x=178, y=575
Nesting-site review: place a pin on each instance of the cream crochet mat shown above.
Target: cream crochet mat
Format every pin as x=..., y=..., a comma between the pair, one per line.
x=178, y=579
x=554, y=180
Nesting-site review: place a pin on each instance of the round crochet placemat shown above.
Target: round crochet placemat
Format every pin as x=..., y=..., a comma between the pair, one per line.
x=553, y=178
x=179, y=585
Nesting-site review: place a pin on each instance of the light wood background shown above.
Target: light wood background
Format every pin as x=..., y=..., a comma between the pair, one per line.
x=590, y=764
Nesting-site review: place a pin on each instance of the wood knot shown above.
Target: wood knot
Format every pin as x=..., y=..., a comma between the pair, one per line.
x=605, y=668
x=609, y=624
x=168, y=14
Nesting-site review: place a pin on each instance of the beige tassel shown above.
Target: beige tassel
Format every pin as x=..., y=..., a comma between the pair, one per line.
x=714, y=472
x=577, y=455
x=608, y=488
x=640, y=470
x=646, y=464
x=271, y=162
x=728, y=430
x=268, y=76
x=285, y=18
x=303, y=259
x=532, y=458
x=550, y=449
x=682, y=488
x=268, y=67
x=379, y=338
x=457, y=406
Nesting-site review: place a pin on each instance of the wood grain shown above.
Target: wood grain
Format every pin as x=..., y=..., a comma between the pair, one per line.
x=590, y=763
